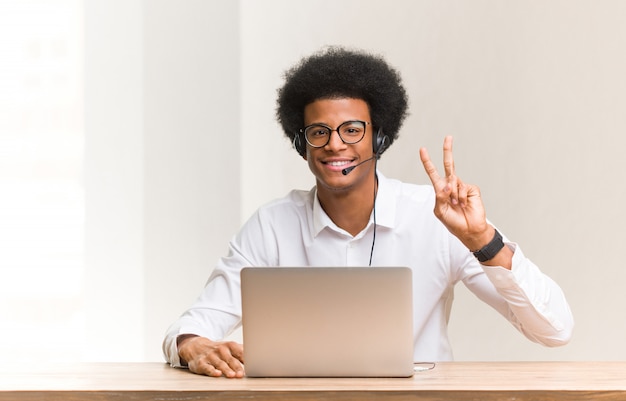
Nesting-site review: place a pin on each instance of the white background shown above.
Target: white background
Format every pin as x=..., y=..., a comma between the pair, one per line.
x=181, y=146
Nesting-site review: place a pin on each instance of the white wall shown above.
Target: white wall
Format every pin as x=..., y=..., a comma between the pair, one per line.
x=182, y=145
x=535, y=95
x=162, y=164
x=114, y=174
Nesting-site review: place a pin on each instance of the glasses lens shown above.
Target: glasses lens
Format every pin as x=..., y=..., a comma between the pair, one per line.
x=352, y=131
x=317, y=135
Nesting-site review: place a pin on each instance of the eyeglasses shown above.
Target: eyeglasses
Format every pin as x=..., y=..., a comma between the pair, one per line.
x=350, y=132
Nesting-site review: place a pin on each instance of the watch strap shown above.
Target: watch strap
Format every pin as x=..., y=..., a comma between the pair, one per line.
x=490, y=250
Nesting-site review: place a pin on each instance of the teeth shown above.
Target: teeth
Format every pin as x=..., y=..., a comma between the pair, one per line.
x=338, y=163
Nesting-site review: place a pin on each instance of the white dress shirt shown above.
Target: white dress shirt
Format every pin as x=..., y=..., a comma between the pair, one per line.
x=295, y=231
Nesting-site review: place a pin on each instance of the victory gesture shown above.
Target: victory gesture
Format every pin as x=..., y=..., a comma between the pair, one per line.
x=458, y=205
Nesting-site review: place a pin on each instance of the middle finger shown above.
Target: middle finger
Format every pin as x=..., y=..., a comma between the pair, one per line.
x=448, y=159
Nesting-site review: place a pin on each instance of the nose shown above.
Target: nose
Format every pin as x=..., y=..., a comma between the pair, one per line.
x=335, y=142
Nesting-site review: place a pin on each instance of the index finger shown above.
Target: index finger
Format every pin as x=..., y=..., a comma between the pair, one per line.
x=430, y=168
x=448, y=159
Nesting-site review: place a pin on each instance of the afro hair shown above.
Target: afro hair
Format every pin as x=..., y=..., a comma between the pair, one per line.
x=336, y=72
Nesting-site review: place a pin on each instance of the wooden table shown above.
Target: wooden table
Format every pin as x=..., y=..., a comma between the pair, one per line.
x=447, y=381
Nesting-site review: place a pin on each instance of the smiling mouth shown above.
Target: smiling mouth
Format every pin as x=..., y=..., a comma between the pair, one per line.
x=341, y=163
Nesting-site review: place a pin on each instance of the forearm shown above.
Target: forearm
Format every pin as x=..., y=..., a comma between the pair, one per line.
x=537, y=305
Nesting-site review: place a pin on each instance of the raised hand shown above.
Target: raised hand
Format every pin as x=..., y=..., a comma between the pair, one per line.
x=458, y=205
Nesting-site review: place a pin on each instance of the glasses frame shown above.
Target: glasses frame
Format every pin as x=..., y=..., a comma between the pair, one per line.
x=306, y=138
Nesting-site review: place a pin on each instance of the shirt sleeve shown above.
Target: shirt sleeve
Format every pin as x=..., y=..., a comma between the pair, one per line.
x=524, y=295
x=536, y=304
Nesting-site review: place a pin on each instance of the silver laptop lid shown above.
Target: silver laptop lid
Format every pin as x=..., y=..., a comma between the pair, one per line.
x=327, y=321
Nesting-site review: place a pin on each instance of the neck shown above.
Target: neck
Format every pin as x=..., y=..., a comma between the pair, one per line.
x=349, y=209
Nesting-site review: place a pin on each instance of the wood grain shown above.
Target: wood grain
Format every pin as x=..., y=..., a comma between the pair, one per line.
x=447, y=381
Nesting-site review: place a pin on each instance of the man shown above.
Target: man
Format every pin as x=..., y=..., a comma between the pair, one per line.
x=342, y=109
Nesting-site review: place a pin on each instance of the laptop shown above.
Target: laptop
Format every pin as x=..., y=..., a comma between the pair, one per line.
x=327, y=321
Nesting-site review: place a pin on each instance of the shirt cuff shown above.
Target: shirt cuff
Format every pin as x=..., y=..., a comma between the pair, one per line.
x=502, y=277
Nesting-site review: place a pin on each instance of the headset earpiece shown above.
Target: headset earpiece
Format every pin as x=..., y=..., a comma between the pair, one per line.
x=380, y=143
x=299, y=144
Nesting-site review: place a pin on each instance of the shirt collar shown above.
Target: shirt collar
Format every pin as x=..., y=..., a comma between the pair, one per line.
x=385, y=208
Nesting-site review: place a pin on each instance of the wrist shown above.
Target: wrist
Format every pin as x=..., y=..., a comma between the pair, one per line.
x=490, y=249
x=478, y=240
x=183, y=337
x=180, y=341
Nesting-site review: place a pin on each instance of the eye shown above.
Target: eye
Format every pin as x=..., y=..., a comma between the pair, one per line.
x=352, y=129
x=317, y=132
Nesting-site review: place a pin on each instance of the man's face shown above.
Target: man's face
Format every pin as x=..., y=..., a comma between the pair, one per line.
x=327, y=162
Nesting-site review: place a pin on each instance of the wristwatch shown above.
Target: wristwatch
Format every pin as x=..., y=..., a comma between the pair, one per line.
x=490, y=250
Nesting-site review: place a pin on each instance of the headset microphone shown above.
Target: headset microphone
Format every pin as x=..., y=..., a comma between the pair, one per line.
x=347, y=170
